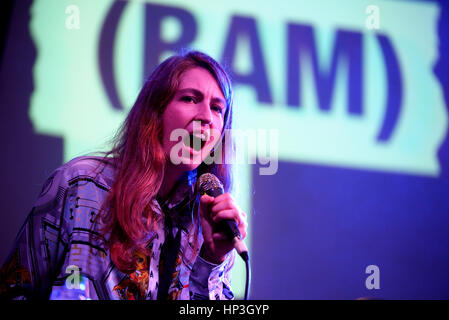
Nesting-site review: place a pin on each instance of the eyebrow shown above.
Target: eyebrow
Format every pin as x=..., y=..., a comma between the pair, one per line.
x=200, y=95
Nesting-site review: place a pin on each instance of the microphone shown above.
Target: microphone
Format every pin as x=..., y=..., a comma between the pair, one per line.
x=209, y=184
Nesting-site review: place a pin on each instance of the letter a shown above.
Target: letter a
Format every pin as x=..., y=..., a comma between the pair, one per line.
x=73, y=280
x=373, y=20
x=73, y=20
x=373, y=280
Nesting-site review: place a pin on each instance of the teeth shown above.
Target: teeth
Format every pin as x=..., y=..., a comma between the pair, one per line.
x=195, y=141
x=202, y=136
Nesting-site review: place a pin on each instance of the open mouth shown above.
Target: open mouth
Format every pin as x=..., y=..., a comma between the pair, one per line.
x=196, y=142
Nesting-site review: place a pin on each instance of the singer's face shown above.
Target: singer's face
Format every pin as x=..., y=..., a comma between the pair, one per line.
x=193, y=120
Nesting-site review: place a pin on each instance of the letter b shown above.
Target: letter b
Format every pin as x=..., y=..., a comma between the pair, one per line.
x=155, y=46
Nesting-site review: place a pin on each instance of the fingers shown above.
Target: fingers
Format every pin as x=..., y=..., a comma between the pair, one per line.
x=232, y=214
x=205, y=202
x=223, y=201
x=228, y=214
x=221, y=208
x=222, y=236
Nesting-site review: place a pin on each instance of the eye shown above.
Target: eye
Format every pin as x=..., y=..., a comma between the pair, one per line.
x=188, y=99
x=217, y=108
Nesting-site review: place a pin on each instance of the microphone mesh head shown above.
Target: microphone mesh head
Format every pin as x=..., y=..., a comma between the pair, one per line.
x=208, y=181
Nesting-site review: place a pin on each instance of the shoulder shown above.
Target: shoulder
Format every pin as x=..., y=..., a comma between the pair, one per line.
x=78, y=171
x=95, y=169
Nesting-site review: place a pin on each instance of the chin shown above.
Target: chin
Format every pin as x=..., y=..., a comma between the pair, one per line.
x=189, y=163
x=189, y=167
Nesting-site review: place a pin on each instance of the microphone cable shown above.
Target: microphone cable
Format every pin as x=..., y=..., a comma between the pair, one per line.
x=245, y=257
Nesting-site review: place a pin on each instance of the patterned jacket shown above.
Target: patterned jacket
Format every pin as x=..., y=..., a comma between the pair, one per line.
x=60, y=252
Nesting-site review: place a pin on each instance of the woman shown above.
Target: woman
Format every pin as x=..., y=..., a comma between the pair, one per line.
x=129, y=225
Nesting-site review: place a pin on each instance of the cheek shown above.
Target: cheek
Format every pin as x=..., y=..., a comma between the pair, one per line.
x=167, y=128
x=167, y=144
x=218, y=128
x=172, y=126
x=218, y=122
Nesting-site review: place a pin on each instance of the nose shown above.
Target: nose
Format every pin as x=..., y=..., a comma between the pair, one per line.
x=204, y=113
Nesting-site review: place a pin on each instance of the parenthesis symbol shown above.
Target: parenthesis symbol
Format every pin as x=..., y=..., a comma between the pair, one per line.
x=395, y=89
x=106, y=52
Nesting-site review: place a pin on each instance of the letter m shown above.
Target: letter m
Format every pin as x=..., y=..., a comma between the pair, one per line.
x=347, y=50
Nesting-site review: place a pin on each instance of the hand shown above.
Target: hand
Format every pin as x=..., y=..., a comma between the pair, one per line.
x=213, y=210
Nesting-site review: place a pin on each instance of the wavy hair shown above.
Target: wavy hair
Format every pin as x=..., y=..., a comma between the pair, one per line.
x=140, y=162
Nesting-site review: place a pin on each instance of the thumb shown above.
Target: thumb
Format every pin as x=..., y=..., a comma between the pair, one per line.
x=205, y=201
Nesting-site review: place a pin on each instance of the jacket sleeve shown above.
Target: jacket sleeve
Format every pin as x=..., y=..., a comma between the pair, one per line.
x=212, y=281
x=39, y=246
x=58, y=242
